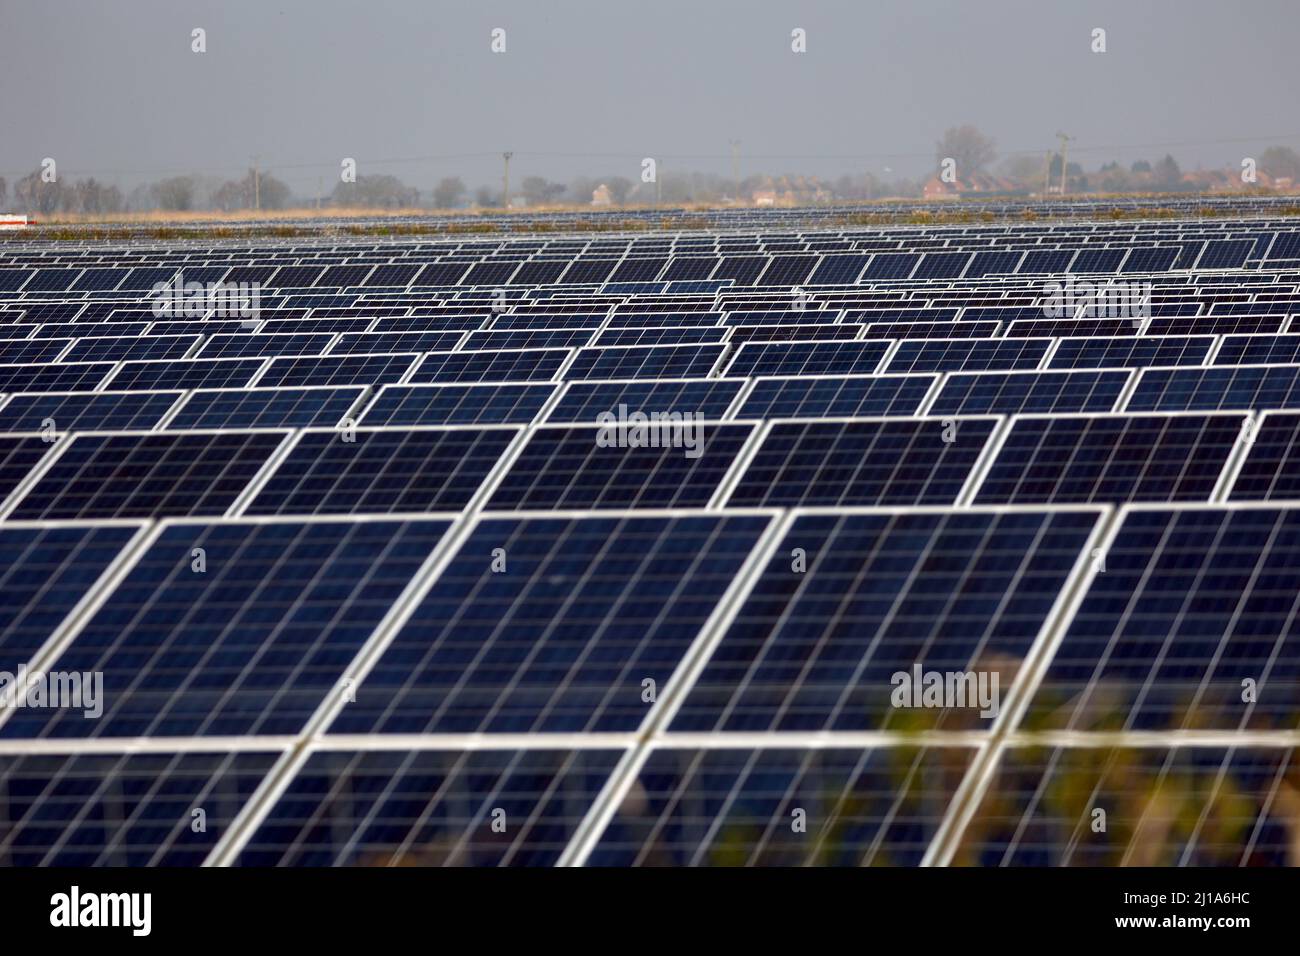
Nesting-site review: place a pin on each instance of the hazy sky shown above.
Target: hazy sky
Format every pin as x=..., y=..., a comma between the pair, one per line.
x=588, y=88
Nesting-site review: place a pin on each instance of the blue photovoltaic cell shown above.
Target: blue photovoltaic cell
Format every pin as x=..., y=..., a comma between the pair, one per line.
x=1271, y=470
x=83, y=810
x=1218, y=388
x=993, y=262
x=266, y=408
x=44, y=573
x=336, y=370
x=582, y=466
x=382, y=471
x=733, y=807
x=1256, y=350
x=583, y=402
x=656, y=336
x=524, y=365
x=1110, y=459
x=1131, y=352
x=264, y=344
x=145, y=475
x=838, y=270
x=669, y=361
x=456, y=404
x=124, y=348
x=814, y=647
x=60, y=377
x=85, y=411
x=1009, y=393
x=253, y=645
x=190, y=373
x=836, y=397
x=895, y=462
x=430, y=808
x=807, y=358
x=974, y=355
x=19, y=351
x=890, y=265
x=1039, y=808
x=1191, y=604
x=560, y=641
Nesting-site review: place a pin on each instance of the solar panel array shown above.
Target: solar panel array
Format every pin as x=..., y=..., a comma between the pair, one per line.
x=610, y=550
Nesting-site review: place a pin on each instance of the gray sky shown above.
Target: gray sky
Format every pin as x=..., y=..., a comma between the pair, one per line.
x=588, y=88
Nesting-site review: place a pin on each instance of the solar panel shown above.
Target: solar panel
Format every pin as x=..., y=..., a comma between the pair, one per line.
x=85, y=411
x=1009, y=393
x=1041, y=804
x=336, y=370
x=807, y=358
x=955, y=355
x=456, y=404
x=1191, y=603
x=1077, y=459
x=381, y=471
x=143, y=475
x=552, y=624
x=666, y=361
x=852, y=463
x=590, y=467
x=734, y=807
x=836, y=396
x=431, y=808
x=251, y=645
x=265, y=408
x=846, y=601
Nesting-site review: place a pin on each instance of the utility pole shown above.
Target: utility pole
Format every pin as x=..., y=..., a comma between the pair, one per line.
x=505, y=181
x=735, y=164
x=257, y=185
x=1065, y=141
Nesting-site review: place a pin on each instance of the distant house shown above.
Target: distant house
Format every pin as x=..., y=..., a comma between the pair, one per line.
x=976, y=184
x=601, y=196
x=764, y=197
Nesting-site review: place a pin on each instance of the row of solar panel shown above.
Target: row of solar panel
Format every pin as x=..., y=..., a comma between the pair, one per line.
x=778, y=805
x=1162, y=389
x=756, y=269
x=686, y=806
x=704, y=362
x=784, y=463
x=554, y=624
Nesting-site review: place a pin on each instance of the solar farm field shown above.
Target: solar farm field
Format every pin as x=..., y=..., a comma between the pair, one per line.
x=764, y=541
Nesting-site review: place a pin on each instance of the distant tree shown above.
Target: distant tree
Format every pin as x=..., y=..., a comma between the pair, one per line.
x=448, y=193
x=381, y=191
x=1167, y=174
x=972, y=150
x=244, y=193
x=176, y=193
x=487, y=197
x=1276, y=161
x=580, y=190
x=1025, y=171
x=33, y=193
x=4, y=188
x=1141, y=166
x=539, y=191
x=619, y=187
